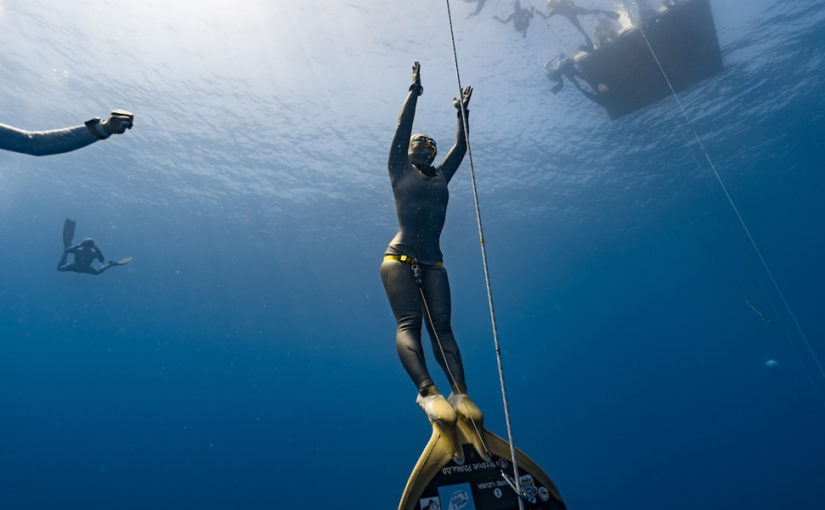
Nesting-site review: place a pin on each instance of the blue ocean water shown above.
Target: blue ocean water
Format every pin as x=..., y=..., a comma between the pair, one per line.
x=245, y=359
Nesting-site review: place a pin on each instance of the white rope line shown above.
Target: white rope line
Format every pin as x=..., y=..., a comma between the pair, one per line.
x=447, y=365
x=736, y=211
x=486, y=269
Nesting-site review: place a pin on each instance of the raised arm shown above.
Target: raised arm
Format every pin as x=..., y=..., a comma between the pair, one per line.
x=98, y=253
x=44, y=143
x=401, y=141
x=456, y=155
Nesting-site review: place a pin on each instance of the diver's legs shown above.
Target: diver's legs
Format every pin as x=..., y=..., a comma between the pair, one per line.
x=61, y=264
x=436, y=288
x=102, y=268
x=402, y=292
x=113, y=263
x=87, y=269
x=405, y=301
x=470, y=420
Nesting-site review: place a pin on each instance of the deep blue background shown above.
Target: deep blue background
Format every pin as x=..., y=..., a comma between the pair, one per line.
x=245, y=358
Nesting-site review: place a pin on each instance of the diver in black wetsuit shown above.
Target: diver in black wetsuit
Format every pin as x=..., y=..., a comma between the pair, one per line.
x=565, y=67
x=571, y=11
x=521, y=17
x=84, y=254
x=412, y=264
x=43, y=143
x=479, y=6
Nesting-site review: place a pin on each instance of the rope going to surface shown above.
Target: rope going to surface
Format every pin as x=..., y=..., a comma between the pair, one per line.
x=486, y=268
x=738, y=215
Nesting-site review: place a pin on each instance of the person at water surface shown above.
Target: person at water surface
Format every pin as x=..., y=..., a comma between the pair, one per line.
x=412, y=271
x=521, y=17
x=572, y=12
x=44, y=143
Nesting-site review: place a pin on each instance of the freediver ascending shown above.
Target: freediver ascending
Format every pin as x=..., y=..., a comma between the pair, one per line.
x=521, y=17
x=463, y=464
x=86, y=252
x=571, y=11
x=44, y=143
x=413, y=273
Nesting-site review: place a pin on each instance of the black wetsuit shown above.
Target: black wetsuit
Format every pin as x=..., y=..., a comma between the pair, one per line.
x=43, y=143
x=567, y=68
x=84, y=255
x=521, y=19
x=421, y=204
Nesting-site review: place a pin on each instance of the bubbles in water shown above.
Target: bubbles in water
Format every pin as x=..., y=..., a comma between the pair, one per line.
x=56, y=77
x=771, y=363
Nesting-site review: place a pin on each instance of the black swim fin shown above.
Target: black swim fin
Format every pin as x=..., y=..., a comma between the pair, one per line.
x=68, y=233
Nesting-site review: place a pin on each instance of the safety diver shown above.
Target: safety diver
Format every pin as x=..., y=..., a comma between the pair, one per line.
x=85, y=253
x=571, y=11
x=565, y=67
